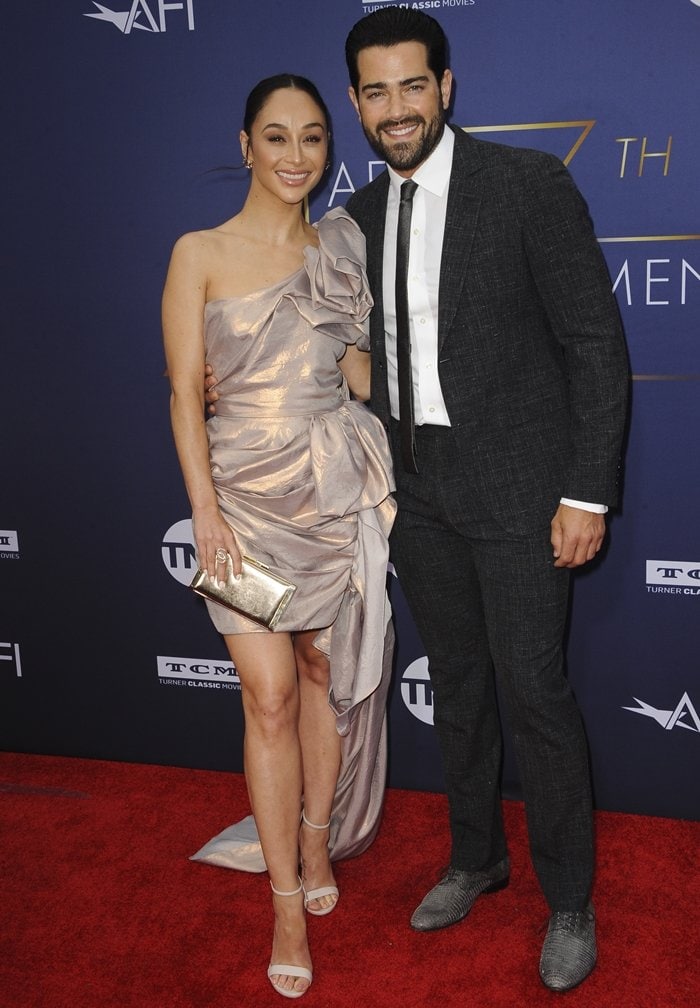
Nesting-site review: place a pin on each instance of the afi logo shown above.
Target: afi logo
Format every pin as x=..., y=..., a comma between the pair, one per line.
x=178, y=551
x=416, y=691
x=10, y=653
x=139, y=12
x=670, y=719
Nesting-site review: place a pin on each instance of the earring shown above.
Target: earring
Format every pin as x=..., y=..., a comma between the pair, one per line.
x=247, y=164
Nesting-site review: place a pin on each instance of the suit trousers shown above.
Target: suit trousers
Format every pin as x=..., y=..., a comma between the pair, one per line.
x=491, y=608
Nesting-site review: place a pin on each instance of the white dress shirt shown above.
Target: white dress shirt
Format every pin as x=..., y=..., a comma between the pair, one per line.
x=425, y=253
x=424, y=257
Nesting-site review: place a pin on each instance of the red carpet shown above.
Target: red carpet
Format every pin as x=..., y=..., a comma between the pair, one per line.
x=100, y=907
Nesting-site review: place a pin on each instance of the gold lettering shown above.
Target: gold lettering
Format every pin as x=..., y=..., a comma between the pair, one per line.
x=666, y=155
x=626, y=141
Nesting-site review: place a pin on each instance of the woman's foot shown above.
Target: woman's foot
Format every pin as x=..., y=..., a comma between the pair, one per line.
x=321, y=892
x=290, y=965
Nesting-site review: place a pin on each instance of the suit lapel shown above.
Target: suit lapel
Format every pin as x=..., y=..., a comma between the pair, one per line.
x=463, y=203
x=369, y=209
x=373, y=224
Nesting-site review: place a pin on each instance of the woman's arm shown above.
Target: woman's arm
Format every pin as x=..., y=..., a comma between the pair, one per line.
x=355, y=365
x=184, y=297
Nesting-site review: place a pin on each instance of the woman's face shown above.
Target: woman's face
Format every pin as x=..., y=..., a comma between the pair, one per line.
x=288, y=145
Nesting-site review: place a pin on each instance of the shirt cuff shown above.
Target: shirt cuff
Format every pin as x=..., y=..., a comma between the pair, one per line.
x=585, y=506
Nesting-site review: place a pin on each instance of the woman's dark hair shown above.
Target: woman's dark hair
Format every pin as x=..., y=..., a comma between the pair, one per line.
x=258, y=97
x=390, y=26
x=264, y=88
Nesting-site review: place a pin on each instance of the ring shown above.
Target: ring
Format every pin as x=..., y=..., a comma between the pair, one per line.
x=221, y=555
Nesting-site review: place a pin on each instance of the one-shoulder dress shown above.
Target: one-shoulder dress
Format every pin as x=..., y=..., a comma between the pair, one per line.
x=303, y=475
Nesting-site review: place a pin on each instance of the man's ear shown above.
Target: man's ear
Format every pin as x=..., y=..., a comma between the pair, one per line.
x=446, y=88
x=353, y=98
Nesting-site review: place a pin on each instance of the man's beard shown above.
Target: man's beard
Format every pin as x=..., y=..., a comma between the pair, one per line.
x=406, y=156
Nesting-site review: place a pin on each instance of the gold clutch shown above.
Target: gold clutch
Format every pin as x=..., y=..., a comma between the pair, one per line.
x=258, y=594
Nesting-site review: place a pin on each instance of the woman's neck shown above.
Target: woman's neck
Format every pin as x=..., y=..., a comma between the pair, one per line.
x=273, y=221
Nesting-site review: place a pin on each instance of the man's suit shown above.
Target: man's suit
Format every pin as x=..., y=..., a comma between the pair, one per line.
x=533, y=372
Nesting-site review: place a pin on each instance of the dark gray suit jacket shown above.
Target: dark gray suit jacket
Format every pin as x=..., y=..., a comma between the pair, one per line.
x=532, y=359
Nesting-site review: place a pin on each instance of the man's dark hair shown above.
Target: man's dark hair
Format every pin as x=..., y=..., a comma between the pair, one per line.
x=389, y=27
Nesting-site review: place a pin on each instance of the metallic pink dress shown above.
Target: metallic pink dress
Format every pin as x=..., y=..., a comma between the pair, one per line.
x=303, y=476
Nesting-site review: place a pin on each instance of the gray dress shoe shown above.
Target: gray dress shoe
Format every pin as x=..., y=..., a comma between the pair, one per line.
x=452, y=898
x=569, y=952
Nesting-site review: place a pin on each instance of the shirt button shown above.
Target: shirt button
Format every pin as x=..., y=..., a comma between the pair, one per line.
x=422, y=321
x=431, y=409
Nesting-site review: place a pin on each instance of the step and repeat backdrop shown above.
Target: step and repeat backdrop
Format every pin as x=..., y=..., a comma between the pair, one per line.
x=119, y=118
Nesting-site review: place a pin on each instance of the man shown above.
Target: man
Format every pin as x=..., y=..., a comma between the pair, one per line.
x=518, y=375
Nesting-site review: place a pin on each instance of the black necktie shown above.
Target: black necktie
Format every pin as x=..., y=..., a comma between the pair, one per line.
x=403, y=334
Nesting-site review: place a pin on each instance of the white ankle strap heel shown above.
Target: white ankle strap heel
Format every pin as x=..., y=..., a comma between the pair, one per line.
x=313, y=825
x=316, y=894
x=287, y=969
x=292, y=892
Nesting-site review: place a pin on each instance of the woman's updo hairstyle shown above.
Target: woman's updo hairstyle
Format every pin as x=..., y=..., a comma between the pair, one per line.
x=264, y=88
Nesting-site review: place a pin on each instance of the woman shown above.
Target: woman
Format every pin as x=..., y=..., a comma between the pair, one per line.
x=296, y=474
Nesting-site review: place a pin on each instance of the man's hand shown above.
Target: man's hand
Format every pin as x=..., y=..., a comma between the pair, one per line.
x=210, y=393
x=577, y=535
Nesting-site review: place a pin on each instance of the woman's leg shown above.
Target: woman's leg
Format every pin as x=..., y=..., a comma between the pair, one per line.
x=272, y=757
x=320, y=748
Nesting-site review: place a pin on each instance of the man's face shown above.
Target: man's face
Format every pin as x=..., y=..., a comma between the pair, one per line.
x=400, y=103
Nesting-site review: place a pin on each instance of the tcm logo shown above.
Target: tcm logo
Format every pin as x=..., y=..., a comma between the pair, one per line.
x=369, y=6
x=674, y=576
x=178, y=551
x=10, y=653
x=416, y=691
x=669, y=719
x=141, y=16
x=201, y=669
x=9, y=544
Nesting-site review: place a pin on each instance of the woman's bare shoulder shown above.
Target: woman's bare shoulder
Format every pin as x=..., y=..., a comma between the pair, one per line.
x=204, y=252
x=193, y=242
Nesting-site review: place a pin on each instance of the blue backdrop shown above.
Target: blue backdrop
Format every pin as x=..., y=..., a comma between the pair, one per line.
x=114, y=116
